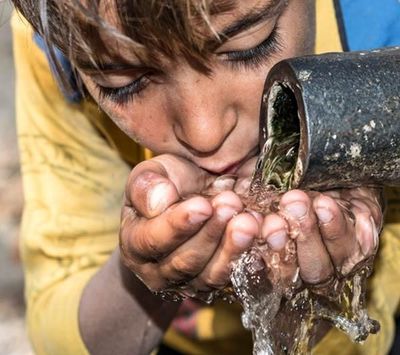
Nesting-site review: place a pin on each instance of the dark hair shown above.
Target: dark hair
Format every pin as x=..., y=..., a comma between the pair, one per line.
x=150, y=27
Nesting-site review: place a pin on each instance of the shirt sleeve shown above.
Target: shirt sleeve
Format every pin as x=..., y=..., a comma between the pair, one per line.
x=73, y=180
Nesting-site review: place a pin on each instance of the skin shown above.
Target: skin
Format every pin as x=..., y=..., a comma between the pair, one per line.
x=177, y=225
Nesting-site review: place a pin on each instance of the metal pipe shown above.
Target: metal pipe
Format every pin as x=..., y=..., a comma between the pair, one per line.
x=346, y=109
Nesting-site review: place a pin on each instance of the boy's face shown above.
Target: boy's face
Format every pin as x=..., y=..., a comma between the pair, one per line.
x=211, y=119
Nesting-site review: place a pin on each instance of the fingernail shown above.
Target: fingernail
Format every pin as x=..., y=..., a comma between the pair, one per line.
x=277, y=240
x=324, y=215
x=242, y=240
x=197, y=218
x=296, y=209
x=225, y=213
x=157, y=200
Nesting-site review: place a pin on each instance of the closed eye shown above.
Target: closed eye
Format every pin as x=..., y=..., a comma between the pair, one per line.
x=121, y=95
x=256, y=56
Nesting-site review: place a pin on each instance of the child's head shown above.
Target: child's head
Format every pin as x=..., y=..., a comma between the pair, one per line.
x=180, y=76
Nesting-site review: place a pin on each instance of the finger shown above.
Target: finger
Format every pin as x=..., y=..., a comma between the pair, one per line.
x=369, y=193
x=368, y=201
x=150, y=194
x=335, y=194
x=337, y=230
x=372, y=207
x=313, y=258
x=242, y=185
x=220, y=184
x=373, y=197
x=275, y=232
x=150, y=240
x=244, y=178
x=176, y=176
x=239, y=236
x=367, y=210
x=191, y=257
x=366, y=234
x=187, y=177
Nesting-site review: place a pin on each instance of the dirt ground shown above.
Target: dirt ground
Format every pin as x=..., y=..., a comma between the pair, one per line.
x=13, y=339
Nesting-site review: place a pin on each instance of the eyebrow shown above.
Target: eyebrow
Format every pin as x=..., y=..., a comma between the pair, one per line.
x=252, y=18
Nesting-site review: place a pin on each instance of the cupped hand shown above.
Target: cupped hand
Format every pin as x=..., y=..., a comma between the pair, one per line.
x=334, y=231
x=173, y=235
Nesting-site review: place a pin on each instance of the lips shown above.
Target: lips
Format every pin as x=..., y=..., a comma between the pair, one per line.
x=227, y=169
x=231, y=169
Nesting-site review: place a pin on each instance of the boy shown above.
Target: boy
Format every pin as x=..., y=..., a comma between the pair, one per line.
x=183, y=79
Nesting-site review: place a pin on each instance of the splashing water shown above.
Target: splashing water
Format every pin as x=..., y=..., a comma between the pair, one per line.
x=285, y=319
x=284, y=315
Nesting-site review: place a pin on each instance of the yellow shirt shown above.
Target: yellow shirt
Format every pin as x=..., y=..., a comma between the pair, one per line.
x=75, y=163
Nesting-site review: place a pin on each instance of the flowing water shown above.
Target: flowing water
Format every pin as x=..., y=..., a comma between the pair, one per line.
x=285, y=319
x=285, y=316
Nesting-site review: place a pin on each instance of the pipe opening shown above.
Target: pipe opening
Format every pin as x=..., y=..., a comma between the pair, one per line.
x=281, y=150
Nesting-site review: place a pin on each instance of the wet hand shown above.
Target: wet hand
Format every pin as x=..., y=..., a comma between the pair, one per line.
x=172, y=236
x=333, y=231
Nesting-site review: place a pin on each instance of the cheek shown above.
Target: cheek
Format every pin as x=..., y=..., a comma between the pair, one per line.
x=247, y=88
x=250, y=90
x=143, y=122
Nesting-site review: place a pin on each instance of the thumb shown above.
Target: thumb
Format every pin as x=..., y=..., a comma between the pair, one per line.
x=156, y=184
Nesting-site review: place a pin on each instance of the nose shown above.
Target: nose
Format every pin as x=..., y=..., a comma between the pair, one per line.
x=204, y=112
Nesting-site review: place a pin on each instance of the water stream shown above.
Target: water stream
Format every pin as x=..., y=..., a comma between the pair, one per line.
x=286, y=316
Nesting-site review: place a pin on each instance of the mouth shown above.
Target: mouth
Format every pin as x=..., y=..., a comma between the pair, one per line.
x=232, y=168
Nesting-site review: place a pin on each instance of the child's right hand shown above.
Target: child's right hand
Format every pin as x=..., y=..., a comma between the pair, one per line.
x=172, y=236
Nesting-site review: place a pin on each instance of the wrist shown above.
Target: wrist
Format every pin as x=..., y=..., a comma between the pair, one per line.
x=118, y=314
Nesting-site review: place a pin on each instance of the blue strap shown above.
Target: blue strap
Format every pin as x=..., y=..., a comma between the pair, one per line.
x=74, y=95
x=370, y=24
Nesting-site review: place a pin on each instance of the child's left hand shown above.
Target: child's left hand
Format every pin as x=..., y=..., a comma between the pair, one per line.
x=334, y=230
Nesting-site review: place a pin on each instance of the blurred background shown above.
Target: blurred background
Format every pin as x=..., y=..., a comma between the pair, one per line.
x=13, y=339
